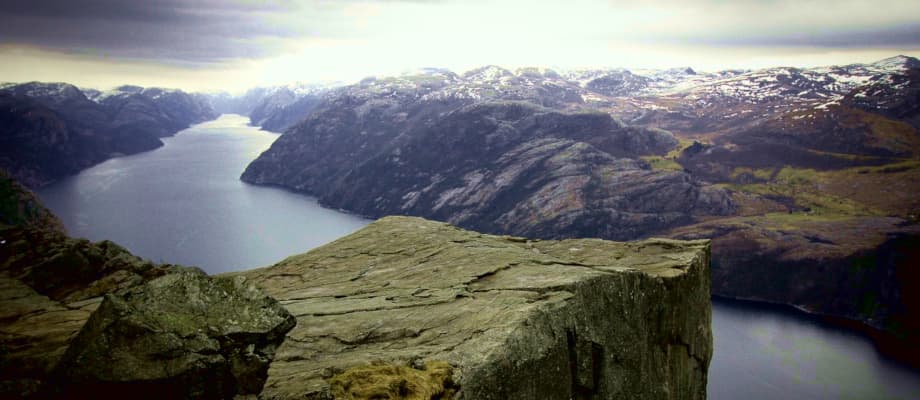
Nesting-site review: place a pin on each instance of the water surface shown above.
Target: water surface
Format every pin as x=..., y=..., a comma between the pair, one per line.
x=777, y=352
x=183, y=203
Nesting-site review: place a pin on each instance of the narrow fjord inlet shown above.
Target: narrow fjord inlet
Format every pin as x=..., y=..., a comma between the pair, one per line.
x=183, y=203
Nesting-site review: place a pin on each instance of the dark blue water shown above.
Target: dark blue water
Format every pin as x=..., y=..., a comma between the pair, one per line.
x=772, y=352
x=184, y=203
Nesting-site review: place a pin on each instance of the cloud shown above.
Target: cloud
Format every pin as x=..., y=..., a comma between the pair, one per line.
x=173, y=31
x=305, y=39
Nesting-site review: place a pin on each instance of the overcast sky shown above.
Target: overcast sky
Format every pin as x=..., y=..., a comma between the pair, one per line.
x=220, y=44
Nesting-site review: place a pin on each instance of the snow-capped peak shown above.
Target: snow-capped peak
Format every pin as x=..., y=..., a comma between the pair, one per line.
x=896, y=64
x=54, y=91
x=487, y=73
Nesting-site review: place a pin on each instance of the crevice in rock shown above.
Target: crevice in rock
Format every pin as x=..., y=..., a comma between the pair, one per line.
x=585, y=365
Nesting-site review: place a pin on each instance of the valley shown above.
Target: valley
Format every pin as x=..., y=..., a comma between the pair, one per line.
x=52, y=130
x=804, y=178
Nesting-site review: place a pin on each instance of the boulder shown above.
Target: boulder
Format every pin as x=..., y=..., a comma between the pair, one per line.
x=184, y=335
x=410, y=308
x=79, y=318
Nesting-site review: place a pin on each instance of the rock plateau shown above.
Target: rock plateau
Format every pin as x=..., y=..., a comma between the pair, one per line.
x=408, y=307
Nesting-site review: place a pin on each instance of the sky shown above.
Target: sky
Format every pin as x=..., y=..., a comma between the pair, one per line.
x=232, y=45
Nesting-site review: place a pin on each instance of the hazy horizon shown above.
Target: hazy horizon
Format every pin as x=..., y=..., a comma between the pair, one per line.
x=211, y=45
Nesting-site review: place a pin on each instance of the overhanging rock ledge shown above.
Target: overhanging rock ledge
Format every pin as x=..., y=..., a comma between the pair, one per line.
x=422, y=308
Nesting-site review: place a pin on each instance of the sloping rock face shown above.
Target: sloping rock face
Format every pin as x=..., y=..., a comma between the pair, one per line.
x=184, y=335
x=498, y=167
x=164, y=331
x=49, y=286
x=513, y=318
x=20, y=207
x=50, y=130
x=775, y=165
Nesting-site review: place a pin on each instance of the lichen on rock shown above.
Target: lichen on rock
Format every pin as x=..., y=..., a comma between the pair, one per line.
x=388, y=381
x=182, y=335
x=514, y=318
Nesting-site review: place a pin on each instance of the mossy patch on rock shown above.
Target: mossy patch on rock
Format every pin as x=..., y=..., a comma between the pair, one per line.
x=515, y=318
x=388, y=381
x=182, y=335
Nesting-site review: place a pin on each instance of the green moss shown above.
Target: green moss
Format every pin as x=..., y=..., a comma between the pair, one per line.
x=759, y=173
x=804, y=187
x=387, y=381
x=887, y=133
x=682, y=144
x=659, y=163
x=846, y=156
x=792, y=220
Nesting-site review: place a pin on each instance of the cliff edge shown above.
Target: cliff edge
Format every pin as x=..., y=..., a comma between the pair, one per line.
x=418, y=309
x=79, y=319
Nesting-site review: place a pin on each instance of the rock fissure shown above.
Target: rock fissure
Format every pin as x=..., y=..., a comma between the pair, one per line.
x=498, y=314
x=372, y=309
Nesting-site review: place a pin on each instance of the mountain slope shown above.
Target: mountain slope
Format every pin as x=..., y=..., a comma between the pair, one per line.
x=762, y=161
x=50, y=130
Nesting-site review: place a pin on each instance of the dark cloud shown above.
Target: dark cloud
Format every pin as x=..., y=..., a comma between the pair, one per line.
x=205, y=32
x=907, y=35
x=166, y=30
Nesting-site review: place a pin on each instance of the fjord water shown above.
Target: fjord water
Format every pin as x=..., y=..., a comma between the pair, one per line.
x=184, y=203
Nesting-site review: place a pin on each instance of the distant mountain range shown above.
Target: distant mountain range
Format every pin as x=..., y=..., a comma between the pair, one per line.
x=273, y=108
x=808, y=179
x=50, y=130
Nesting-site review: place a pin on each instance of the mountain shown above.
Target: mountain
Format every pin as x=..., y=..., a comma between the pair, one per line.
x=226, y=103
x=50, y=130
x=273, y=108
x=284, y=106
x=806, y=178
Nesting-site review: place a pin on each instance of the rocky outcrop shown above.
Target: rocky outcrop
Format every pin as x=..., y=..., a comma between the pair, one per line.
x=183, y=335
x=162, y=330
x=426, y=309
x=49, y=286
x=50, y=130
x=20, y=207
x=861, y=269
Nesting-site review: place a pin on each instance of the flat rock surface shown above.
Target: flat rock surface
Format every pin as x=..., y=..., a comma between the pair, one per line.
x=514, y=318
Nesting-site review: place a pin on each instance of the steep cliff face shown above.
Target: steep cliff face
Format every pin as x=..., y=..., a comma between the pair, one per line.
x=444, y=310
x=861, y=269
x=50, y=130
